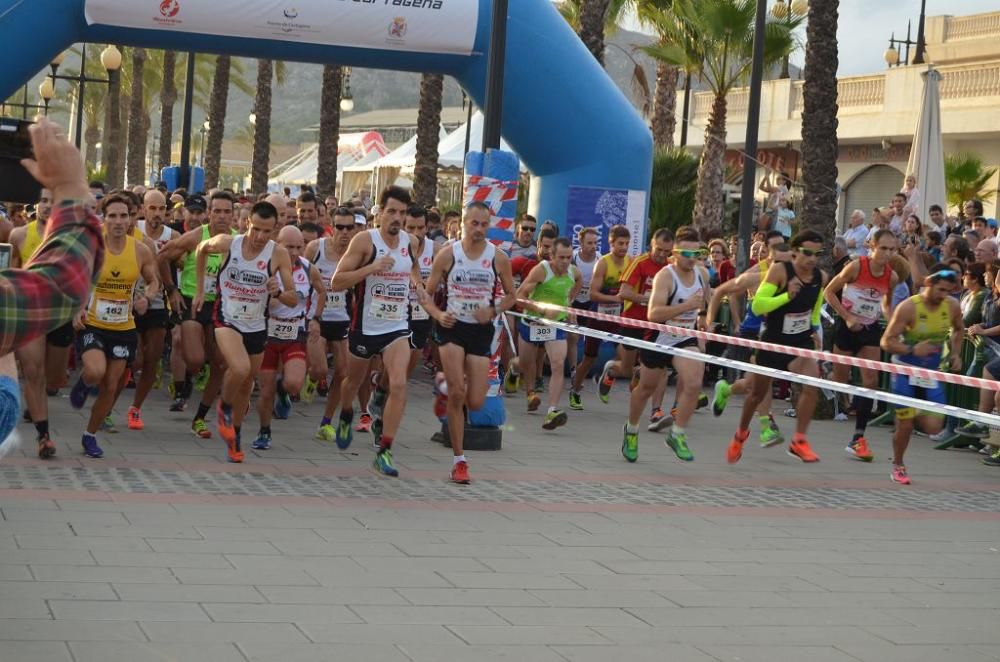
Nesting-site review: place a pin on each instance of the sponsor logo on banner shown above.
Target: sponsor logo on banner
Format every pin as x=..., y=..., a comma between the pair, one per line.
x=419, y=26
x=600, y=209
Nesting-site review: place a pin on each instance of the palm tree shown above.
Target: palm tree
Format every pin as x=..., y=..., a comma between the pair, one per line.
x=262, y=127
x=217, y=120
x=592, y=16
x=965, y=178
x=168, y=97
x=329, y=129
x=714, y=40
x=428, y=134
x=137, y=121
x=819, y=120
x=664, y=121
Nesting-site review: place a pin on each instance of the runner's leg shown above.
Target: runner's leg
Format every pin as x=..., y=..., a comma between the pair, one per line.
x=395, y=359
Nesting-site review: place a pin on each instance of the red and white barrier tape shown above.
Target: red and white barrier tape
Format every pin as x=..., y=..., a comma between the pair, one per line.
x=901, y=400
x=894, y=368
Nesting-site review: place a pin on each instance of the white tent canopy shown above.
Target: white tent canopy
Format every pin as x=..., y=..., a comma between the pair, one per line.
x=451, y=151
x=353, y=149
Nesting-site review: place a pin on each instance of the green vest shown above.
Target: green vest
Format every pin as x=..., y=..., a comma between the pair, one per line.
x=554, y=289
x=189, y=274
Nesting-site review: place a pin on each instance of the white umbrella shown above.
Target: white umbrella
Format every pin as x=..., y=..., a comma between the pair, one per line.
x=926, y=153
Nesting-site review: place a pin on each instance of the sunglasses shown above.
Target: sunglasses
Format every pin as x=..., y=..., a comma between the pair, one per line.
x=689, y=253
x=808, y=252
x=527, y=228
x=344, y=228
x=947, y=274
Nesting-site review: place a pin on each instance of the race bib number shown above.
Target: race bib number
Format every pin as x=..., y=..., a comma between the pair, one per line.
x=466, y=307
x=243, y=311
x=796, y=323
x=111, y=311
x=211, y=284
x=418, y=313
x=336, y=299
x=541, y=333
x=390, y=310
x=609, y=308
x=923, y=382
x=280, y=329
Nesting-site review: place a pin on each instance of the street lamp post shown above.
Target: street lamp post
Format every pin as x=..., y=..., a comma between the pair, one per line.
x=205, y=128
x=788, y=12
x=347, y=99
x=111, y=60
x=493, y=111
x=24, y=105
x=921, y=44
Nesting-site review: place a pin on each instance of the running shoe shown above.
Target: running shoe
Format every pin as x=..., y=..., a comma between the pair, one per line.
x=575, y=401
x=376, y=403
x=262, y=442
x=702, y=400
x=859, y=449
x=179, y=404
x=735, y=450
x=282, y=405
x=202, y=379
x=770, y=435
x=659, y=420
x=993, y=460
x=108, y=425
x=510, y=382
x=308, y=393
x=364, y=423
x=135, y=419
x=79, y=393
x=799, y=447
x=383, y=463
x=630, y=445
x=460, y=473
x=376, y=433
x=200, y=429
x=540, y=385
x=440, y=406
x=554, y=419
x=343, y=434
x=722, y=391
x=224, y=424
x=677, y=442
x=326, y=433
x=973, y=429
x=46, y=447
x=605, y=382
x=533, y=401
x=899, y=475
x=323, y=388
x=90, y=447
x=233, y=451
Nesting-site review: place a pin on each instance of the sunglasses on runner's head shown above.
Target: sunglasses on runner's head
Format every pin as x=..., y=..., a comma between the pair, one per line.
x=945, y=274
x=808, y=252
x=690, y=253
x=344, y=228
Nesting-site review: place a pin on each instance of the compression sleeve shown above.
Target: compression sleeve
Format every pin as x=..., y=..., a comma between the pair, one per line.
x=817, y=308
x=765, y=301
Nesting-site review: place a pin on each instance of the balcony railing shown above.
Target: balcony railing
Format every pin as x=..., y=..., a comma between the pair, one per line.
x=968, y=82
x=977, y=26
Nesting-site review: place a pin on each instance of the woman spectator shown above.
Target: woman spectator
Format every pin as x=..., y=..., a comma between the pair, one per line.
x=720, y=268
x=984, y=333
x=784, y=219
x=913, y=232
x=912, y=194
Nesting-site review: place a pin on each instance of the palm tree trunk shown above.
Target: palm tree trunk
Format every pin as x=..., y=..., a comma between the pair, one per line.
x=262, y=130
x=136, y=159
x=113, y=132
x=168, y=97
x=329, y=129
x=92, y=135
x=592, y=16
x=664, y=105
x=708, y=199
x=428, y=134
x=819, y=121
x=217, y=121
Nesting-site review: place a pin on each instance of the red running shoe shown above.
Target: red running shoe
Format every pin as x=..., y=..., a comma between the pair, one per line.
x=460, y=473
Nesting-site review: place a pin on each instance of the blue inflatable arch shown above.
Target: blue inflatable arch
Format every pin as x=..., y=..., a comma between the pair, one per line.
x=562, y=113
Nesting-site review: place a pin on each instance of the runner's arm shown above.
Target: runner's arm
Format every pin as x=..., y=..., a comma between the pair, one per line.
x=663, y=284
x=832, y=291
x=902, y=318
x=349, y=270
x=16, y=240
x=442, y=263
x=319, y=290
x=743, y=282
x=283, y=269
x=595, y=284
x=220, y=243
x=507, y=281
x=415, y=276
x=311, y=251
x=149, y=271
x=528, y=285
x=957, y=333
x=767, y=299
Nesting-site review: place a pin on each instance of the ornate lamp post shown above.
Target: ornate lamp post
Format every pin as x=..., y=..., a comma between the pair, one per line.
x=111, y=60
x=788, y=12
x=347, y=99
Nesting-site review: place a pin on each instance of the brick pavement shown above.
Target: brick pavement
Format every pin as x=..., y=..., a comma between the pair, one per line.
x=558, y=551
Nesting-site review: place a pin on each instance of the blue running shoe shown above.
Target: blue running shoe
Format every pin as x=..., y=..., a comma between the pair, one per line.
x=262, y=442
x=383, y=463
x=345, y=435
x=282, y=405
x=79, y=393
x=90, y=447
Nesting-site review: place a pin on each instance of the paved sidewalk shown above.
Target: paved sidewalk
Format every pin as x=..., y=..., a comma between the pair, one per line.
x=559, y=550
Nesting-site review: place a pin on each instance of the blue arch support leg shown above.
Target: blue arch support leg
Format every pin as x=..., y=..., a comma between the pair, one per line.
x=562, y=113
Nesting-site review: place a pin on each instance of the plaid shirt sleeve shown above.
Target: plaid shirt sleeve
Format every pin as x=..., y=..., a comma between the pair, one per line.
x=55, y=283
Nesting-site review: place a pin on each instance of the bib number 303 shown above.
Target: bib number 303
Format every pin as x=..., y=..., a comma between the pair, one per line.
x=541, y=333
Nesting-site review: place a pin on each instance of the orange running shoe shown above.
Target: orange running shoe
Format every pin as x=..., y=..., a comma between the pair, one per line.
x=534, y=402
x=859, y=449
x=234, y=452
x=225, y=425
x=799, y=447
x=135, y=419
x=460, y=473
x=735, y=450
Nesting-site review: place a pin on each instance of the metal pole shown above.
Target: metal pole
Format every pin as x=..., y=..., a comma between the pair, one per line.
x=24, y=109
x=750, y=144
x=494, y=77
x=78, y=137
x=921, y=44
x=185, y=171
x=468, y=128
x=687, y=108
x=909, y=26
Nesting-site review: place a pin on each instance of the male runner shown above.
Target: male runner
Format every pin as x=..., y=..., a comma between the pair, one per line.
x=604, y=285
x=916, y=335
x=379, y=265
x=305, y=208
x=470, y=271
x=521, y=266
x=678, y=298
x=747, y=283
x=254, y=268
x=791, y=297
x=43, y=360
x=107, y=341
x=153, y=324
x=325, y=253
x=585, y=258
x=554, y=281
x=865, y=287
x=287, y=329
x=198, y=341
